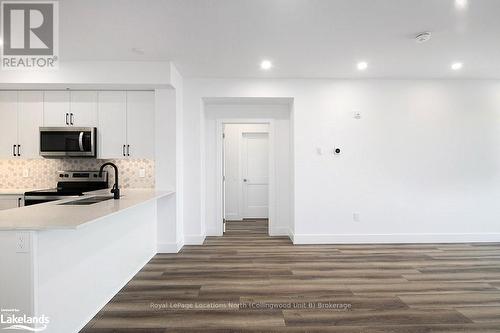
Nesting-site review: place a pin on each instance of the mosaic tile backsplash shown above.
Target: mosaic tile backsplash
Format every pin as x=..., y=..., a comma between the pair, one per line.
x=42, y=173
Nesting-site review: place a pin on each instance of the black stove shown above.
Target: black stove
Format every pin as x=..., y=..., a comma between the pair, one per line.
x=70, y=184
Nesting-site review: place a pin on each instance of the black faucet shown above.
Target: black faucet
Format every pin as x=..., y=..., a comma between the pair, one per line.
x=115, y=190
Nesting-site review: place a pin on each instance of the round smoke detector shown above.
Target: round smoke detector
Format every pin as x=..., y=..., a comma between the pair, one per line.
x=423, y=37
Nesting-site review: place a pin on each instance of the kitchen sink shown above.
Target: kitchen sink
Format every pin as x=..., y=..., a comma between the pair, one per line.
x=88, y=201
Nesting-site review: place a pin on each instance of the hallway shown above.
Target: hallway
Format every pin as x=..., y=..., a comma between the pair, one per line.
x=247, y=281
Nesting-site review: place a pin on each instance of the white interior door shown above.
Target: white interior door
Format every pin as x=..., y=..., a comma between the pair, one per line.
x=255, y=169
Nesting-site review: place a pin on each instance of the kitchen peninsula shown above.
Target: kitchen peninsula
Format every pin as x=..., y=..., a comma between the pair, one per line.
x=66, y=261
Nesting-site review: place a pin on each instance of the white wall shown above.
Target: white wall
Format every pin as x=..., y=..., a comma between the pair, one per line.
x=233, y=172
x=280, y=115
x=421, y=165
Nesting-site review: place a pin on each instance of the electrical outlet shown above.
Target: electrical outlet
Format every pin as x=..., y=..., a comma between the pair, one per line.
x=142, y=173
x=22, y=242
x=356, y=217
x=356, y=115
x=26, y=173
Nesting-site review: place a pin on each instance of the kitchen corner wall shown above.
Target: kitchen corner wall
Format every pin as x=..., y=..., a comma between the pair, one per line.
x=42, y=173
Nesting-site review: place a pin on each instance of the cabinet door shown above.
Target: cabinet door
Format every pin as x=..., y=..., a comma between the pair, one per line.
x=10, y=201
x=83, y=108
x=141, y=124
x=8, y=123
x=56, y=108
x=30, y=118
x=112, y=129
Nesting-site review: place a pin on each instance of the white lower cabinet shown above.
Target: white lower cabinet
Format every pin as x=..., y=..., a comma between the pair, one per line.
x=8, y=201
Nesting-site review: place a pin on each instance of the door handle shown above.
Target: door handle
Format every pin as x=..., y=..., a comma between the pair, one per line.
x=67, y=121
x=123, y=150
x=71, y=116
x=128, y=150
x=80, y=140
x=18, y=150
x=245, y=180
x=14, y=150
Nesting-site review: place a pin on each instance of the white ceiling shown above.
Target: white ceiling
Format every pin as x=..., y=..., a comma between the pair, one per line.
x=303, y=38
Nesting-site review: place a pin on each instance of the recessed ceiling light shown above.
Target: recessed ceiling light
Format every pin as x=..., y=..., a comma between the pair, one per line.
x=362, y=65
x=461, y=4
x=457, y=66
x=266, y=65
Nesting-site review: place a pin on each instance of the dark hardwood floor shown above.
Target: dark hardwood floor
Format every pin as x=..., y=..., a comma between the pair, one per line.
x=247, y=281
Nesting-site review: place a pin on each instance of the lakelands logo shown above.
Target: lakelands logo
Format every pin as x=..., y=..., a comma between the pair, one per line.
x=13, y=320
x=30, y=35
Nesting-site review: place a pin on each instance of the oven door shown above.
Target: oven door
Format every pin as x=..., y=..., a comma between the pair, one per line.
x=68, y=141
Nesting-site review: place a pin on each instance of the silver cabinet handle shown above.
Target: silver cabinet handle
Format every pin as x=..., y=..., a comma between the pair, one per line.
x=80, y=140
x=128, y=150
x=71, y=116
x=67, y=121
x=18, y=150
x=19, y=201
x=14, y=150
x=123, y=150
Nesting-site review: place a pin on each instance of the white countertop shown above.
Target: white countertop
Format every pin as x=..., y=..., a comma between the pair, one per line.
x=14, y=191
x=52, y=215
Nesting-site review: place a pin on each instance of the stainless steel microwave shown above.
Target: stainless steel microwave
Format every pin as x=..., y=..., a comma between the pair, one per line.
x=68, y=141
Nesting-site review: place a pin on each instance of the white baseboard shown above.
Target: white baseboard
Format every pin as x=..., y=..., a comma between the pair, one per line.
x=291, y=235
x=170, y=247
x=194, y=239
x=394, y=238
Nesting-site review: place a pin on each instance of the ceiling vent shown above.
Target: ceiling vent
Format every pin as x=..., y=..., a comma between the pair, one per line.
x=423, y=37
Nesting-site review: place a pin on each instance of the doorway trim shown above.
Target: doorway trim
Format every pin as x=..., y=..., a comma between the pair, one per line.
x=219, y=168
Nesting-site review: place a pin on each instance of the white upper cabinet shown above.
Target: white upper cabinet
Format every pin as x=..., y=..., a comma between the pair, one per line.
x=56, y=109
x=20, y=118
x=126, y=124
x=30, y=119
x=112, y=129
x=83, y=108
x=140, y=124
x=8, y=124
x=70, y=108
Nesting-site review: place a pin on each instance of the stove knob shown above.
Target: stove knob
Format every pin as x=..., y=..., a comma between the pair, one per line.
x=66, y=175
x=61, y=175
